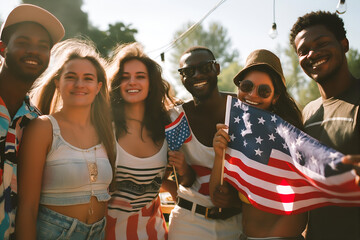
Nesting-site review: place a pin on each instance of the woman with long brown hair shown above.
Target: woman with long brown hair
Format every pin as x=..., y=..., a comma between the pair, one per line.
x=138, y=99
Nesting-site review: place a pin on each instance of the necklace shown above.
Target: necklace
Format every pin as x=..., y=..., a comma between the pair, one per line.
x=93, y=174
x=92, y=166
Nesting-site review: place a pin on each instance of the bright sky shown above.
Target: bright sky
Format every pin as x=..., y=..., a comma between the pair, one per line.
x=247, y=21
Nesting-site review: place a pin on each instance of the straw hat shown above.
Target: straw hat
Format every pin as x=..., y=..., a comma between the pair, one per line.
x=260, y=57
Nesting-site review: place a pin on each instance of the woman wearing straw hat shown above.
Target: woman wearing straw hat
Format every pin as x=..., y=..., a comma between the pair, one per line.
x=261, y=84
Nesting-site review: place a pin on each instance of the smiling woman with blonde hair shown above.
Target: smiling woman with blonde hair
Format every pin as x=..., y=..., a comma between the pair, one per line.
x=67, y=157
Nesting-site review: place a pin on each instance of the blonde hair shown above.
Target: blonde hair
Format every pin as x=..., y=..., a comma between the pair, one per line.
x=48, y=99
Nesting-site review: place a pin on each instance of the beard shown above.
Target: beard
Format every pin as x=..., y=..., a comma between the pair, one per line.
x=19, y=72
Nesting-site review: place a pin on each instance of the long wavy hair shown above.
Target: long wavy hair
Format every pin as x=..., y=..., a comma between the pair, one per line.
x=158, y=101
x=48, y=100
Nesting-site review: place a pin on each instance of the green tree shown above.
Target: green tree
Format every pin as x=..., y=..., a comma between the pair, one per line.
x=76, y=23
x=226, y=76
x=69, y=12
x=301, y=87
x=353, y=58
x=117, y=33
x=215, y=38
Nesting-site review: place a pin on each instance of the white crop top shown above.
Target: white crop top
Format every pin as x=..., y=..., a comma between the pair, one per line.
x=66, y=179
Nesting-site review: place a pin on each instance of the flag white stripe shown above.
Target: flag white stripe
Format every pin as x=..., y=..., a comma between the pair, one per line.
x=277, y=172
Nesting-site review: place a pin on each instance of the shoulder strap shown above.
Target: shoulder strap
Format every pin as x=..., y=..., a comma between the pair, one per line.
x=55, y=125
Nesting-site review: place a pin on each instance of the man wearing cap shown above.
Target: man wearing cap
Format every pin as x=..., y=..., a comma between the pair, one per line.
x=319, y=39
x=26, y=38
x=194, y=217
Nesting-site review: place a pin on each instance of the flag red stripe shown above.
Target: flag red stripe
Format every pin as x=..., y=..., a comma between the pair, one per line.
x=201, y=171
x=188, y=139
x=301, y=210
x=177, y=120
x=341, y=188
x=286, y=198
x=298, y=182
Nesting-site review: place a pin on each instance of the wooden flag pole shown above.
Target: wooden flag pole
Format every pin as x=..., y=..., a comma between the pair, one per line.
x=176, y=180
x=227, y=118
x=222, y=172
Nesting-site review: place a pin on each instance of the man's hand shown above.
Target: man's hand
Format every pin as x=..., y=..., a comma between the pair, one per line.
x=355, y=161
x=225, y=196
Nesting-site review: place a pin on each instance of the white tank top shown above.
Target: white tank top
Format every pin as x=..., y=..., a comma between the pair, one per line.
x=66, y=179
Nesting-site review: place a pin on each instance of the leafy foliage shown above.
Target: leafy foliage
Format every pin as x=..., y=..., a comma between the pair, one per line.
x=117, y=33
x=301, y=87
x=76, y=24
x=215, y=38
x=226, y=76
x=353, y=58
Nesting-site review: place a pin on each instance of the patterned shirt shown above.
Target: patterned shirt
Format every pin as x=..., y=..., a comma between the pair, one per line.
x=10, y=137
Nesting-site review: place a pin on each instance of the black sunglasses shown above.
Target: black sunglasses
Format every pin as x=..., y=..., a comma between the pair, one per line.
x=204, y=68
x=263, y=90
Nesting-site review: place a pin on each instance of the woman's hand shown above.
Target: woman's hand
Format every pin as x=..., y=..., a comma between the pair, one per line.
x=221, y=139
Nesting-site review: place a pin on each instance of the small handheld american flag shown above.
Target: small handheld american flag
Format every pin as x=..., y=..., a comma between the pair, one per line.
x=178, y=132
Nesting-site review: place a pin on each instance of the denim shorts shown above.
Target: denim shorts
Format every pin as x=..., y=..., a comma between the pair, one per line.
x=52, y=225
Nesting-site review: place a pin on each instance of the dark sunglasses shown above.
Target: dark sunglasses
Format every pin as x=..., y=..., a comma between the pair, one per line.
x=263, y=90
x=204, y=68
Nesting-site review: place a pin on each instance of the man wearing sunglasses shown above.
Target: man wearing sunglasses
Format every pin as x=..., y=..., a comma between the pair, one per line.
x=319, y=39
x=194, y=216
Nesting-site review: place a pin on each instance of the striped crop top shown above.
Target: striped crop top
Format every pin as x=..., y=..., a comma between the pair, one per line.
x=138, y=180
x=67, y=180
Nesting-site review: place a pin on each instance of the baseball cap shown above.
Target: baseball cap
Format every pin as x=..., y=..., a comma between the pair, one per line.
x=32, y=13
x=260, y=57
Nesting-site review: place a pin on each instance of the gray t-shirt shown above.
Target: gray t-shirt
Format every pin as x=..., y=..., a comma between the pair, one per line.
x=335, y=122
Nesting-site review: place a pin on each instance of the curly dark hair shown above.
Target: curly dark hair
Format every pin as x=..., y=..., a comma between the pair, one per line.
x=331, y=21
x=157, y=101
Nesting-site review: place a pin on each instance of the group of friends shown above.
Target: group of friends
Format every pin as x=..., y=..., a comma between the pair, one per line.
x=82, y=139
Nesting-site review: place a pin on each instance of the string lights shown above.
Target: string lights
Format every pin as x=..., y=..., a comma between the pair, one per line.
x=273, y=30
x=341, y=7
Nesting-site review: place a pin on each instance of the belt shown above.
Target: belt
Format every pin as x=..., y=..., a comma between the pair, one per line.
x=209, y=213
x=189, y=205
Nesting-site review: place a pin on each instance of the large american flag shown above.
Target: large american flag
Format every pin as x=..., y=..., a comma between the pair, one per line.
x=178, y=132
x=279, y=168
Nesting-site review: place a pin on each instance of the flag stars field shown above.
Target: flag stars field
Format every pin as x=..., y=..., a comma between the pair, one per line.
x=258, y=152
x=259, y=140
x=261, y=121
x=273, y=118
x=272, y=137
